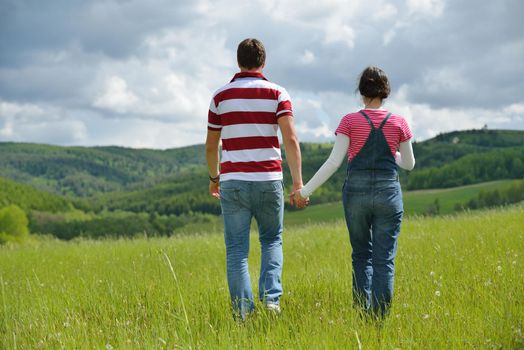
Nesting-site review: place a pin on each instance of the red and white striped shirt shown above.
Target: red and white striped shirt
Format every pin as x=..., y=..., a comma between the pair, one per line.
x=246, y=111
x=357, y=128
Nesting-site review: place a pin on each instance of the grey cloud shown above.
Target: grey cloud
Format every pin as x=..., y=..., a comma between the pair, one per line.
x=482, y=45
x=62, y=82
x=113, y=28
x=51, y=51
x=61, y=53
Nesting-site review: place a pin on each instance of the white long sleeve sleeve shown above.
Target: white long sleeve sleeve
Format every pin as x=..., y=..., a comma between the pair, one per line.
x=337, y=156
x=405, y=157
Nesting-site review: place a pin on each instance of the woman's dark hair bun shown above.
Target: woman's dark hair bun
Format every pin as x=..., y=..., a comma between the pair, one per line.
x=374, y=83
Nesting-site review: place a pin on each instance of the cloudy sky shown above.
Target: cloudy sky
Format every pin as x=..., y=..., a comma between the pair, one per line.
x=140, y=73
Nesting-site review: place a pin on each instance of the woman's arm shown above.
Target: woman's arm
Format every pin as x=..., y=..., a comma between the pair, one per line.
x=405, y=158
x=338, y=154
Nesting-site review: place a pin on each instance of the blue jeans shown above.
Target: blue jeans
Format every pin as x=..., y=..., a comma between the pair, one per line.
x=373, y=210
x=240, y=201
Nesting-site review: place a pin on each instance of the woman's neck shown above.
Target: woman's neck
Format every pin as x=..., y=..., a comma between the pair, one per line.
x=374, y=103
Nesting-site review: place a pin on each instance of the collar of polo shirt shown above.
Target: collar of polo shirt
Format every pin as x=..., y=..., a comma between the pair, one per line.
x=258, y=75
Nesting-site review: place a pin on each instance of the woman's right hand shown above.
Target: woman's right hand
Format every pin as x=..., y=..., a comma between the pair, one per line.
x=300, y=202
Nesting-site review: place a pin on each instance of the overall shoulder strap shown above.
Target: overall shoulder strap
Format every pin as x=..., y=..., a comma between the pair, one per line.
x=384, y=121
x=367, y=118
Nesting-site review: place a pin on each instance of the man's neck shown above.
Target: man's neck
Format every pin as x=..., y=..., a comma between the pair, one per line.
x=252, y=70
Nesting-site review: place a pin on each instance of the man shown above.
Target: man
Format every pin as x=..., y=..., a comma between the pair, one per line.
x=246, y=114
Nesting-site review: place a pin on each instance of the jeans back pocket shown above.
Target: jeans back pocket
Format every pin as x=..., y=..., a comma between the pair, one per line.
x=229, y=200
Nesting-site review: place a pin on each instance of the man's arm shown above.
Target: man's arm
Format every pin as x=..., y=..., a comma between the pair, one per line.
x=212, y=157
x=293, y=156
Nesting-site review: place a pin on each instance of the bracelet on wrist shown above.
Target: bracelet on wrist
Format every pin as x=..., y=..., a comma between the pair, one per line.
x=214, y=179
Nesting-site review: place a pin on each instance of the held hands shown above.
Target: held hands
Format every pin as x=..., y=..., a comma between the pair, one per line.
x=296, y=199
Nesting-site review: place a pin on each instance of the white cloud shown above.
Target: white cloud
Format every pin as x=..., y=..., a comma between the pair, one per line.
x=308, y=111
x=13, y=110
x=431, y=8
x=385, y=12
x=332, y=18
x=318, y=115
x=116, y=96
x=416, y=12
x=69, y=131
x=449, y=79
x=171, y=80
x=427, y=121
x=307, y=57
x=340, y=32
x=303, y=11
x=52, y=125
x=392, y=31
x=46, y=124
x=515, y=109
x=140, y=133
x=157, y=98
x=320, y=133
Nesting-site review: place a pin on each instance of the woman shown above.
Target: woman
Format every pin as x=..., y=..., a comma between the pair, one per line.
x=377, y=142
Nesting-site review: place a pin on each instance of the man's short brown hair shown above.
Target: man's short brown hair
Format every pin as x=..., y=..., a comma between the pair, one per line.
x=251, y=54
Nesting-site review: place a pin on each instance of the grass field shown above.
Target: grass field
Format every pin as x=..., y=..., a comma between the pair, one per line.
x=415, y=203
x=459, y=284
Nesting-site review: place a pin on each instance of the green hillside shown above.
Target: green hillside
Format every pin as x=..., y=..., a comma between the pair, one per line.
x=81, y=191
x=447, y=147
x=460, y=164
x=416, y=203
x=28, y=198
x=187, y=191
x=83, y=171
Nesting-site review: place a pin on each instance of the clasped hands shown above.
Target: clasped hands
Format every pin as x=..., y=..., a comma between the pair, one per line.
x=296, y=199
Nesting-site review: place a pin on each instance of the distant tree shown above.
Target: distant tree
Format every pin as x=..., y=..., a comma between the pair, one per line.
x=13, y=224
x=433, y=208
x=518, y=167
x=509, y=195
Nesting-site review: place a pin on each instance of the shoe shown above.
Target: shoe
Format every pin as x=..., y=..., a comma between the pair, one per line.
x=273, y=307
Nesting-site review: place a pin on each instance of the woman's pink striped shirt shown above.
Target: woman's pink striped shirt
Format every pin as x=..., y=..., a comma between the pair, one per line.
x=356, y=127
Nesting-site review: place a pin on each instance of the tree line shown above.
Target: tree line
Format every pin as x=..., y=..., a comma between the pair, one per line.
x=495, y=198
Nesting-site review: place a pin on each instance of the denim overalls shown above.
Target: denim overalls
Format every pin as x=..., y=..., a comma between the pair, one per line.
x=373, y=209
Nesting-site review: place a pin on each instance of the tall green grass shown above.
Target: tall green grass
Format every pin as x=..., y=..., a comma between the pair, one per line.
x=459, y=284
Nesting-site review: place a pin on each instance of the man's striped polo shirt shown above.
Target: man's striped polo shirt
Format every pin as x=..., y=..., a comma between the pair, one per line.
x=246, y=112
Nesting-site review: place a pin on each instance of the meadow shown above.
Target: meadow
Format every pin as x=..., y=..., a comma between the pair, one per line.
x=415, y=202
x=459, y=284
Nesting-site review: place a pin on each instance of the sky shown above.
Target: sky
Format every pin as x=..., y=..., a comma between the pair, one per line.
x=141, y=73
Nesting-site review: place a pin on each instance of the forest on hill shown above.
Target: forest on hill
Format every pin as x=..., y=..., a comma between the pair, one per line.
x=93, y=191
x=87, y=171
